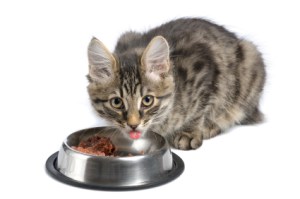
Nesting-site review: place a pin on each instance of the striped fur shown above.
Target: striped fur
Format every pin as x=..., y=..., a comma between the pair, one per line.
x=206, y=81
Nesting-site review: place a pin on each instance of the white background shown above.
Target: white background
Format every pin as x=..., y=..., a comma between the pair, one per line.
x=43, y=63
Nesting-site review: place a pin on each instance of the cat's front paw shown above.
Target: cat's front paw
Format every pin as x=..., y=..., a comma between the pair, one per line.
x=187, y=141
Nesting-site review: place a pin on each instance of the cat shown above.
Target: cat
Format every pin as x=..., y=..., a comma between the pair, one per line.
x=188, y=80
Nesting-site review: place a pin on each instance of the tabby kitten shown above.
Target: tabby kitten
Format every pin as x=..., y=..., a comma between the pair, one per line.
x=188, y=80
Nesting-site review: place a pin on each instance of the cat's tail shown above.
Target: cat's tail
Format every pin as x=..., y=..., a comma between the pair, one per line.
x=255, y=117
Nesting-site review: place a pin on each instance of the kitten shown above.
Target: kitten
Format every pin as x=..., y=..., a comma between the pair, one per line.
x=188, y=80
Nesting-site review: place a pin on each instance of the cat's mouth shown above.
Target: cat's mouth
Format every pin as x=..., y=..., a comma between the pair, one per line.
x=135, y=134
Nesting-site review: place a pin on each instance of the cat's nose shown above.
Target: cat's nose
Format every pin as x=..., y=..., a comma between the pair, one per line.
x=133, y=127
x=133, y=121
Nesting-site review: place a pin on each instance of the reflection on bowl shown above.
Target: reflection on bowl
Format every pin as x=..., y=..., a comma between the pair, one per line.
x=157, y=164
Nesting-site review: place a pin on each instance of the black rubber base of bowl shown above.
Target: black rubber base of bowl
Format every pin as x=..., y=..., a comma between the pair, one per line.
x=178, y=167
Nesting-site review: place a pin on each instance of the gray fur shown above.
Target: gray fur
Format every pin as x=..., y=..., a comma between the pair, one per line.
x=211, y=81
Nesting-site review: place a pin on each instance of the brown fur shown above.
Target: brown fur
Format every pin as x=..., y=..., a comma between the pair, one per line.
x=202, y=77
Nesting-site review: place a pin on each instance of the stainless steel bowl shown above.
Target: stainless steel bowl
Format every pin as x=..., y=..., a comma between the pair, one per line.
x=157, y=165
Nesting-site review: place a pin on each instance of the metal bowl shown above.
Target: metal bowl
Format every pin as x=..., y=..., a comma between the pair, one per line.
x=152, y=163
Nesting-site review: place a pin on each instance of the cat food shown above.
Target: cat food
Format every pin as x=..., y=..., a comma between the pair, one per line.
x=96, y=145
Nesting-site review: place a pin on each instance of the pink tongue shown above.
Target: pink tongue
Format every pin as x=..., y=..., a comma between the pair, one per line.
x=135, y=134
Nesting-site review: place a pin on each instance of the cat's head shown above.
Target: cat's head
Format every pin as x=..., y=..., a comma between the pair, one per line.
x=134, y=89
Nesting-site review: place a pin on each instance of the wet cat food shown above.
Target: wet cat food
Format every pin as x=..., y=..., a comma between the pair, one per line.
x=96, y=145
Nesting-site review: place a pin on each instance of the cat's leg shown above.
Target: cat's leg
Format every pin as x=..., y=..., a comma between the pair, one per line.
x=187, y=139
x=209, y=129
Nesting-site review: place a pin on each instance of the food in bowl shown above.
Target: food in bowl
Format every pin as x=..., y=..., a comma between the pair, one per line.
x=96, y=145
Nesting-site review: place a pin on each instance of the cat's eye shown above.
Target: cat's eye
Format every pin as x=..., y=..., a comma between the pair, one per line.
x=147, y=101
x=116, y=102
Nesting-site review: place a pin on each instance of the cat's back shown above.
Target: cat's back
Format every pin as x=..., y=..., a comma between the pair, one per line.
x=179, y=33
x=191, y=30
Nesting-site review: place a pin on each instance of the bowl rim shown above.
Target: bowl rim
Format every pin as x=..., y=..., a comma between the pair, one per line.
x=86, y=155
x=177, y=170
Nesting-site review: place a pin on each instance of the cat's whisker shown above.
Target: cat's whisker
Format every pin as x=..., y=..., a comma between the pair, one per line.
x=114, y=133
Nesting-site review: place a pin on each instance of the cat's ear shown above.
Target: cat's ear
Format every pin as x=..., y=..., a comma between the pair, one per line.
x=156, y=60
x=102, y=64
